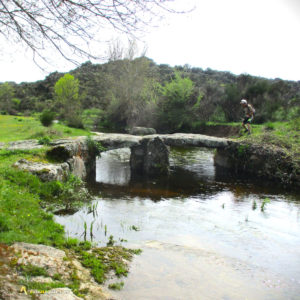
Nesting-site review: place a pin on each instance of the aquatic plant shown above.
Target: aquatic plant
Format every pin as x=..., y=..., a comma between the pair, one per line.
x=85, y=230
x=116, y=286
x=111, y=241
x=92, y=208
x=135, y=228
x=91, y=230
x=265, y=201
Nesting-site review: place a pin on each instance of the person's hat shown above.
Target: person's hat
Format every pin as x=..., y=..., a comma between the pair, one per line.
x=243, y=101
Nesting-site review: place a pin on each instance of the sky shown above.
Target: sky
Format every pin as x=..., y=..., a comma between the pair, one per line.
x=257, y=37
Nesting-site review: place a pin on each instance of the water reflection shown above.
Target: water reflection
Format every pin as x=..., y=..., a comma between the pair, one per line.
x=113, y=167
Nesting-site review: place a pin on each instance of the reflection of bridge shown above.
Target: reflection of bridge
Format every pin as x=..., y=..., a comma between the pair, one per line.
x=115, y=140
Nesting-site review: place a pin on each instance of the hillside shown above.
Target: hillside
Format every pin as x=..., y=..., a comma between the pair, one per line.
x=125, y=93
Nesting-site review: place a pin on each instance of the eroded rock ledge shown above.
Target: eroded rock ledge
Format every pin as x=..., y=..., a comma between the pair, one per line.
x=59, y=267
x=260, y=161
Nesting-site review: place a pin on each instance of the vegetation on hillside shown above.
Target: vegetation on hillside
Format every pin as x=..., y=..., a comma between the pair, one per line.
x=137, y=92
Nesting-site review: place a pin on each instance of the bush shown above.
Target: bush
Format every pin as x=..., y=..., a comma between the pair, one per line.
x=44, y=140
x=75, y=122
x=94, y=147
x=218, y=115
x=47, y=118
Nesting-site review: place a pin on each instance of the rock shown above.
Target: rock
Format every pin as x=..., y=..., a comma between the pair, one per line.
x=64, y=149
x=46, y=257
x=259, y=161
x=150, y=157
x=142, y=131
x=59, y=294
x=24, y=145
x=54, y=262
x=116, y=140
x=222, y=160
x=157, y=158
x=40, y=249
x=77, y=167
x=194, y=140
x=2, y=146
x=46, y=172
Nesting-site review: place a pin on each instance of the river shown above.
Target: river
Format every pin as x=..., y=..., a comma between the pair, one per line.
x=203, y=232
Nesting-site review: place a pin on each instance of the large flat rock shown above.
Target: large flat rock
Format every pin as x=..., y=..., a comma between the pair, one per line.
x=116, y=140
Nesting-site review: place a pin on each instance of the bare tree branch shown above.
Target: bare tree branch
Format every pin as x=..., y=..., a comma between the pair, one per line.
x=68, y=26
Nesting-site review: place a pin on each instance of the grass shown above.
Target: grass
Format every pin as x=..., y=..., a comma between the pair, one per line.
x=21, y=195
x=22, y=218
x=13, y=128
x=280, y=135
x=32, y=271
x=40, y=286
x=103, y=260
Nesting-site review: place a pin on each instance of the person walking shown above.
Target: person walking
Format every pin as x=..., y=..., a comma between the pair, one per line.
x=249, y=115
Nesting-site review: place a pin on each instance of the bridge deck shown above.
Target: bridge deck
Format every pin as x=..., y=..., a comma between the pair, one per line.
x=176, y=139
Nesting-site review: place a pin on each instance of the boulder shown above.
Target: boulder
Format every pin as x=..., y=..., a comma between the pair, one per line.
x=77, y=167
x=142, y=131
x=24, y=145
x=46, y=172
x=259, y=161
x=150, y=158
x=64, y=149
x=54, y=262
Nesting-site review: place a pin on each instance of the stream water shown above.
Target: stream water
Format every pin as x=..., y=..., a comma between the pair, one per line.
x=200, y=233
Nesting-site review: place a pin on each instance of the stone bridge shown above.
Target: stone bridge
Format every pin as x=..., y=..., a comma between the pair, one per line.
x=149, y=154
x=115, y=140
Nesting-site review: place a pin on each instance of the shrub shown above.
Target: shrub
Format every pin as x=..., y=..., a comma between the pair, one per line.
x=218, y=115
x=75, y=122
x=94, y=147
x=47, y=118
x=44, y=140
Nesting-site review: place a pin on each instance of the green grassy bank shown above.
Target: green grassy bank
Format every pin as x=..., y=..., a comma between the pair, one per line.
x=21, y=216
x=278, y=135
x=23, y=198
x=14, y=128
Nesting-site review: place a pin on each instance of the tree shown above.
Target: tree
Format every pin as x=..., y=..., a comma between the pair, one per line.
x=176, y=106
x=67, y=97
x=6, y=98
x=65, y=24
x=132, y=95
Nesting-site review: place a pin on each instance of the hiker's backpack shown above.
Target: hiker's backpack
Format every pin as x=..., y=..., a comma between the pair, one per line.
x=252, y=108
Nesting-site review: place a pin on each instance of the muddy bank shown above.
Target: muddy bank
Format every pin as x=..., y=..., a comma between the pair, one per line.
x=261, y=161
